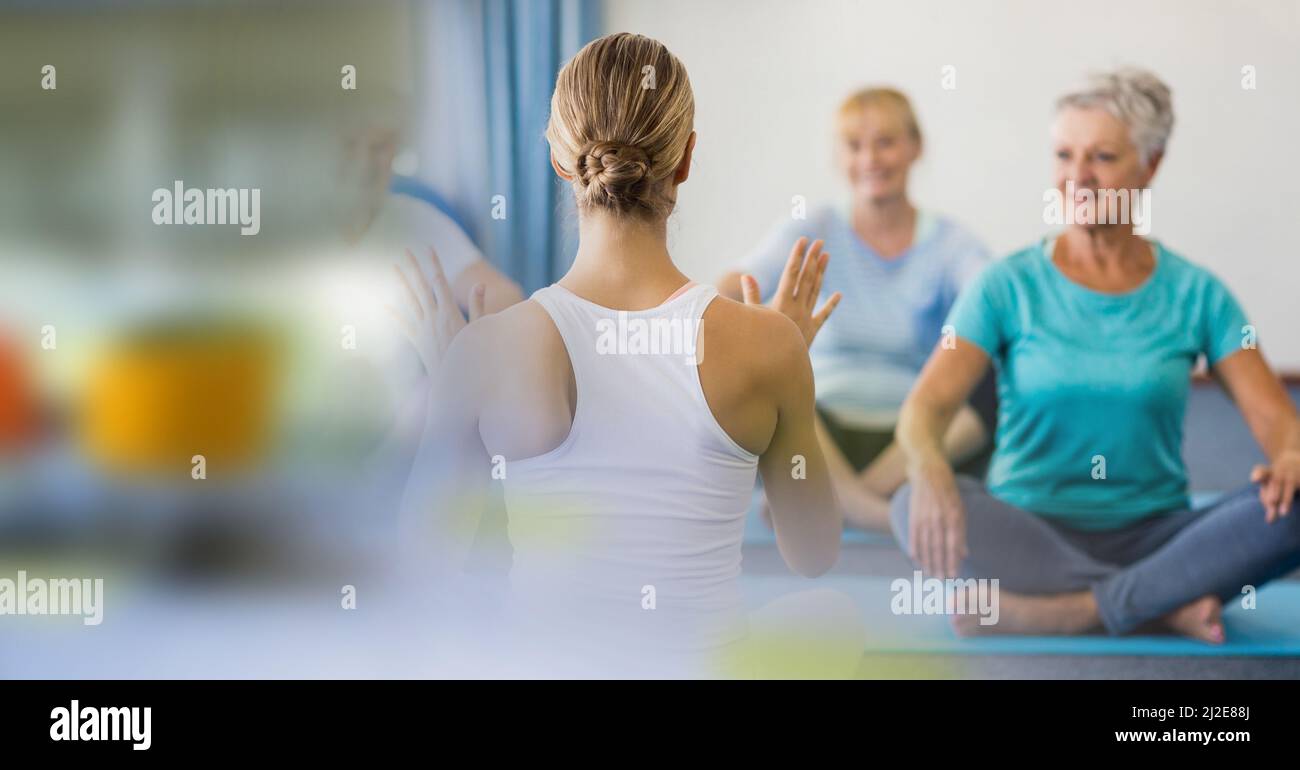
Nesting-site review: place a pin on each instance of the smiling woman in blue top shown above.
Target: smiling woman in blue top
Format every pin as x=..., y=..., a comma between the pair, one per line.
x=1094, y=332
x=899, y=270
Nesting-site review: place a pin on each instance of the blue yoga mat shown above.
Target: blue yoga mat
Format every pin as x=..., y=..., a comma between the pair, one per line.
x=758, y=533
x=1271, y=629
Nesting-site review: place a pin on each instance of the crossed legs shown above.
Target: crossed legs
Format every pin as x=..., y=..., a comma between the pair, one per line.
x=1175, y=570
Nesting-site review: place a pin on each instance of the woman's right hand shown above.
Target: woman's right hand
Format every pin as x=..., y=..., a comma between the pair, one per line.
x=430, y=317
x=797, y=292
x=936, y=520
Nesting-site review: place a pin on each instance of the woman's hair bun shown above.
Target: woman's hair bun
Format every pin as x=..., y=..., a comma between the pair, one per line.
x=613, y=173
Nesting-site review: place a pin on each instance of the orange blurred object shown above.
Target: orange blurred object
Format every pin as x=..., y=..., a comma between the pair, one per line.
x=18, y=410
x=161, y=397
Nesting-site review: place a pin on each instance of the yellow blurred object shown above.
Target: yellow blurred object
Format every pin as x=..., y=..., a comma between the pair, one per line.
x=161, y=397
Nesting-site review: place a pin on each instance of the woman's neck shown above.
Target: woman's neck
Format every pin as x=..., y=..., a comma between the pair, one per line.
x=1107, y=249
x=622, y=262
x=1104, y=259
x=888, y=226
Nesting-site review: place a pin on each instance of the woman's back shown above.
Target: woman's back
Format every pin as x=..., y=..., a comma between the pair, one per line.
x=626, y=498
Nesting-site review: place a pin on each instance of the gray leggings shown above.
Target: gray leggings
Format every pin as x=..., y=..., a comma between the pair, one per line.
x=1137, y=573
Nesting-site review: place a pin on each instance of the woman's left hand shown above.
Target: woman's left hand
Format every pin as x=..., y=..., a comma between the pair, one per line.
x=1278, y=483
x=431, y=318
x=797, y=292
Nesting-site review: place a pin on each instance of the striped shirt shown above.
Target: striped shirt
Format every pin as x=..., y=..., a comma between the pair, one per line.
x=872, y=348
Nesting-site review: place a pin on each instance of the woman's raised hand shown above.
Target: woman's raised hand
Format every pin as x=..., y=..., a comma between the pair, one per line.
x=800, y=285
x=429, y=315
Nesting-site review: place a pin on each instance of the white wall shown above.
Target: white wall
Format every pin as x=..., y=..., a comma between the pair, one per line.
x=768, y=75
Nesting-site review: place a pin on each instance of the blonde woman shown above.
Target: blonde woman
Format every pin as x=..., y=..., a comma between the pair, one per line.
x=1084, y=515
x=627, y=469
x=900, y=268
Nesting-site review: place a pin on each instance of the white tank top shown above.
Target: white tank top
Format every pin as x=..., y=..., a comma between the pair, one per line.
x=634, y=523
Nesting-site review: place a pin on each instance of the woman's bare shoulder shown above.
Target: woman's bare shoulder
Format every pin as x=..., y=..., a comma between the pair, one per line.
x=753, y=337
x=508, y=338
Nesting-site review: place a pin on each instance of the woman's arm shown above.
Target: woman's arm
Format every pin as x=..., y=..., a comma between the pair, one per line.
x=965, y=436
x=937, y=520
x=795, y=476
x=741, y=286
x=446, y=490
x=1271, y=416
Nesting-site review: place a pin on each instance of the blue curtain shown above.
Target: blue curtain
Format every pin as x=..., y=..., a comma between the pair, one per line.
x=525, y=42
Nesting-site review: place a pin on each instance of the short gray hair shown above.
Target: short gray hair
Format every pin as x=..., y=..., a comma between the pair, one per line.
x=1137, y=98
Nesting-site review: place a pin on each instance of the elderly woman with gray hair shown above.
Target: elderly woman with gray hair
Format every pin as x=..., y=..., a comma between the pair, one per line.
x=1084, y=516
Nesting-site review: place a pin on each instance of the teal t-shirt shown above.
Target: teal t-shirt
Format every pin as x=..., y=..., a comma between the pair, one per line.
x=1093, y=387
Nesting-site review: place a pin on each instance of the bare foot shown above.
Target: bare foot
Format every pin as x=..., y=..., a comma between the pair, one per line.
x=1072, y=613
x=1201, y=619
